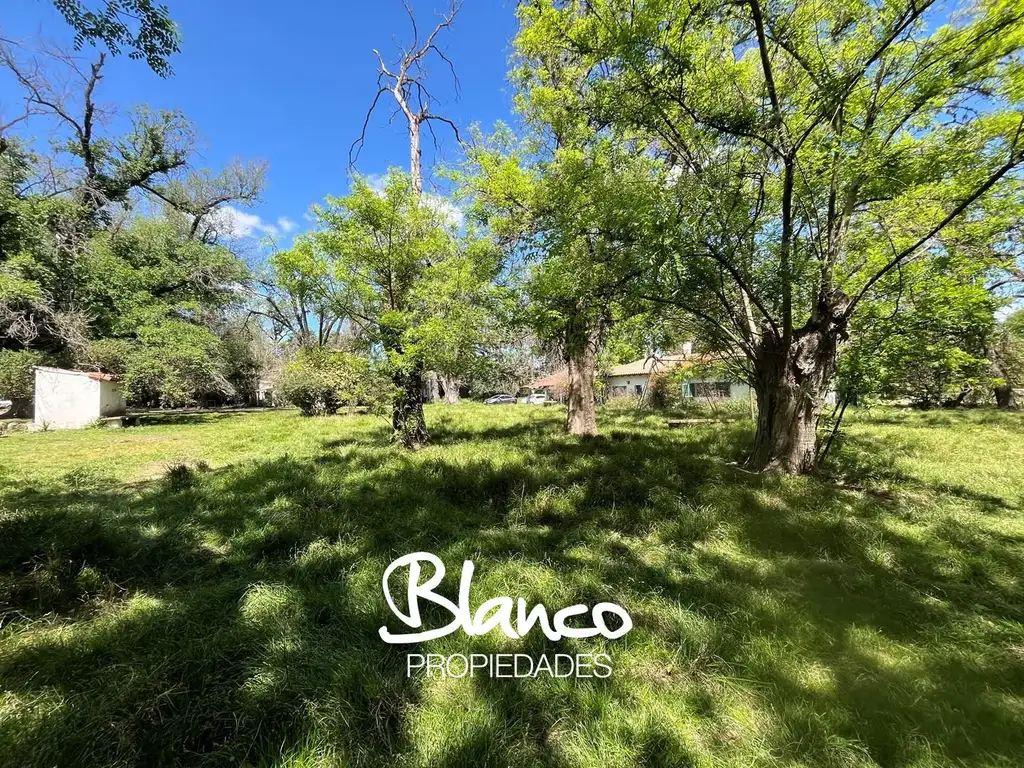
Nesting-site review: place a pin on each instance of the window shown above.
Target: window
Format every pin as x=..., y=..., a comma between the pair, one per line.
x=712, y=390
x=638, y=389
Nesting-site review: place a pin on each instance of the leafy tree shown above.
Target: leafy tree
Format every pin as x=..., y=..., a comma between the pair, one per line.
x=813, y=149
x=83, y=280
x=147, y=288
x=577, y=214
x=301, y=296
x=459, y=314
x=924, y=336
x=382, y=246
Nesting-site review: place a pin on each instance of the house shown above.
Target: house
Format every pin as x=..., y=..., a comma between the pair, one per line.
x=554, y=385
x=67, y=399
x=632, y=379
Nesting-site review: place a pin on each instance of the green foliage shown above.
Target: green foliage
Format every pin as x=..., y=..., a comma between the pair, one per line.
x=1007, y=351
x=925, y=338
x=419, y=295
x=319, y=381
x=803, y=152
x=170, y=363
x=17, y=381
x=141, y=26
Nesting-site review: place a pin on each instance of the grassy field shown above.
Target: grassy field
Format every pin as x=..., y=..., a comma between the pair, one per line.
x=205, y=590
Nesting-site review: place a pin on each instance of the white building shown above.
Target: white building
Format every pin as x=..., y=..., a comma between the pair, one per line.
x=66, y=399
x=631, y=379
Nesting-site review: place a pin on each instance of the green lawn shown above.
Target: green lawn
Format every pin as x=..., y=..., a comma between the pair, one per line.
x=207, y=591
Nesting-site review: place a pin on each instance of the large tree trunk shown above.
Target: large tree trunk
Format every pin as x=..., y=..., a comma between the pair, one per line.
x=450, y=385
x=1004, y=392
x=581, y=357
x=1005, y=397
x=791, y=383
x=407, y=422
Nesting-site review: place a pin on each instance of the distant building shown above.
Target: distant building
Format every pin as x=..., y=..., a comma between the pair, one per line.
x=632, y=379
x=66, y=399
x=555, y=385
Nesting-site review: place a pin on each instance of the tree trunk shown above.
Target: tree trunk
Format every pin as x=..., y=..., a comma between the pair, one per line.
x=433, y=392
x=581, y=357
x=451, y=389
x=791, y=384
x=415, y=153
x=1005, y=397
x=407, y=422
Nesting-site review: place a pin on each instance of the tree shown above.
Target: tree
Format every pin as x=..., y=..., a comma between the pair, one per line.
x=301, y=296
x=923, y=336
x=85, y=281
x=405, y=82
x=1007, y=357
x=381, y=245
x=813, y=148
x=577, y=207
x=460, y=312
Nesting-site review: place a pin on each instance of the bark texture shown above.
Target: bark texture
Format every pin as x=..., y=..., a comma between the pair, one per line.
x=433, y=390
x=581, y=358
x=407, y=422
x=791, y=382
x=1005, y=397
x=450, y=385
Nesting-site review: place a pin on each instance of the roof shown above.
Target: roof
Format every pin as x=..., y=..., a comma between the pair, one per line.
x=95, y=375
x=556, y=379
x=646, y=366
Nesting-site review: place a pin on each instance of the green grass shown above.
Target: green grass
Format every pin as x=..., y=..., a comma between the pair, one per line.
x=205, y=590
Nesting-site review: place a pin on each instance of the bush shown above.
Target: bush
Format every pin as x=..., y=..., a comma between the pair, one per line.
x=320, y=381
x=17, y=381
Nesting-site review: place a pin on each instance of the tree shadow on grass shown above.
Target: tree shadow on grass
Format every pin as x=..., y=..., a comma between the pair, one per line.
x=230, y=616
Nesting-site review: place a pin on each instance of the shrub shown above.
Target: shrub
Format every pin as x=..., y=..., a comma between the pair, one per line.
x=17, y=381
x=320, y=381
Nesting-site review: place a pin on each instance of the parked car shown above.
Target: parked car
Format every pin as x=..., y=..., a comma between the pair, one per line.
x=500, y=400
x=537, y=398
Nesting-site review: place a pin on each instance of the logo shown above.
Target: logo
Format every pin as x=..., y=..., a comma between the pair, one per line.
x=514, y=618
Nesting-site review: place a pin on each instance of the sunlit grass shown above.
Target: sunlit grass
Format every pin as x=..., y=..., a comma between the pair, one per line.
x=206, y=590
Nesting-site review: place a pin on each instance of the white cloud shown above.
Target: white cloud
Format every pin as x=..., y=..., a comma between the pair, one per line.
x=234, y=223
x=446, y=208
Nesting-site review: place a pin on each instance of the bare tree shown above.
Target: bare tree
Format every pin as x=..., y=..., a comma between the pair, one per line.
x=406, y=82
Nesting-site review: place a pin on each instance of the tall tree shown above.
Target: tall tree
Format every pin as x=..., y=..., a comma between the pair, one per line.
x=405, y=82
x=86, y=281
x=815, y=148
x=579, y=207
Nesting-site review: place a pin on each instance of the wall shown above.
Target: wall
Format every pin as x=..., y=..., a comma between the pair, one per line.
x=737, y=389
x=629, y=382
x=111, y=399
x=65, y=399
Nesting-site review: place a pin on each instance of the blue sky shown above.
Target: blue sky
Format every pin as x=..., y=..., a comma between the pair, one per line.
x=290, y=83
